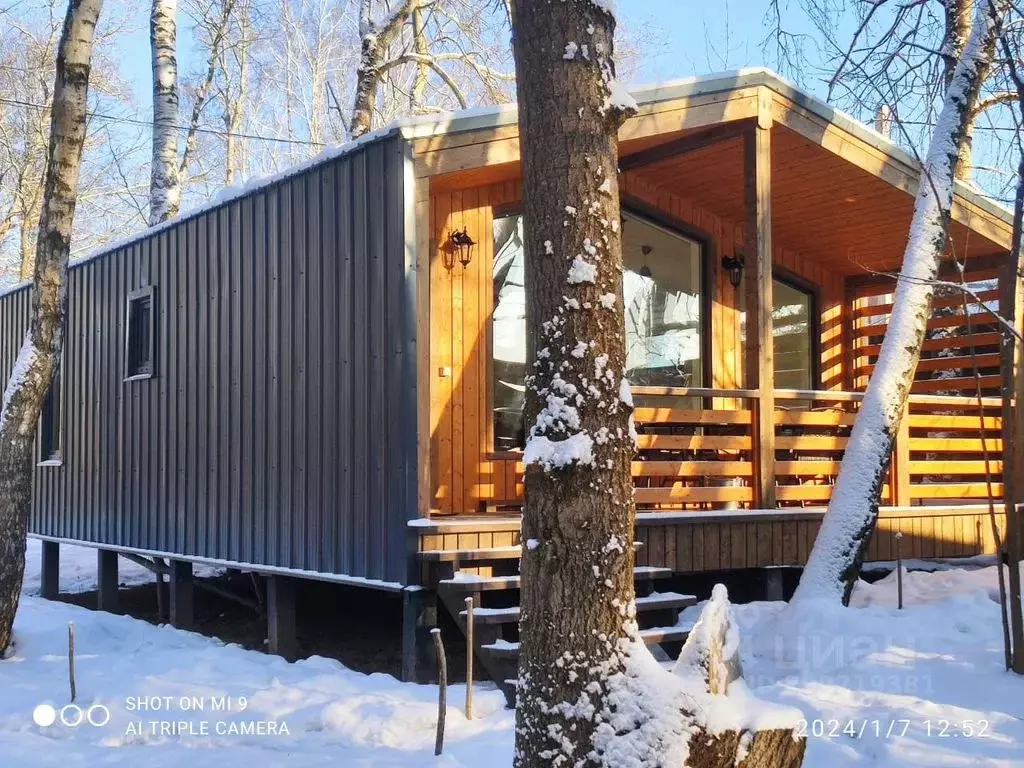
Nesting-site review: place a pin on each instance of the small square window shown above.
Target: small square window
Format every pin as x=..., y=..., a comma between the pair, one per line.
x=138, y=343
x=49, y=423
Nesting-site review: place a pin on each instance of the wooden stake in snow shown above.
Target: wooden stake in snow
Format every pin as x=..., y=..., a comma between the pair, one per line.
x=469, y=658
x=899, y=571
x=834, y=562
x=71, y=659
x=442, y=689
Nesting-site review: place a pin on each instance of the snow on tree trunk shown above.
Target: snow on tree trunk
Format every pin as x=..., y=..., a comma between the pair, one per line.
x=835, y=560
x=578, y=611
x=40, y=351
x=710, y=664
x=375, y=37
x=164, y=187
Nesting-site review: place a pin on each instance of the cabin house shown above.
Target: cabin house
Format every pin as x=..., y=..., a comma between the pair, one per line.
x=321, y=376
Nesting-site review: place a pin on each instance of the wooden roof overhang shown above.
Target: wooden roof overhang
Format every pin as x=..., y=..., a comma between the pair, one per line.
x=840, y=192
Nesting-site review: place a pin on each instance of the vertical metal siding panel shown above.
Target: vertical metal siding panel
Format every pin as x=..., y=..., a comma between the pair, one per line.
x=221, y=508
x=299, y=398
x=201, y=416
x=184, y=307
x=121, y=397
x=245, y=306
x=361, y=324
x=314, y=363
x=274, y=506
x=260, y=367
x=233, y=427
x=165, y=429
x=403, y=419
x=195, y=331
x=328, y=351
x=345, y=375
x=380, y=340
x=286, y=416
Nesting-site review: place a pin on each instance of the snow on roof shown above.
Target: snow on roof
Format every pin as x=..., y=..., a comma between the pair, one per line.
x=507, y=114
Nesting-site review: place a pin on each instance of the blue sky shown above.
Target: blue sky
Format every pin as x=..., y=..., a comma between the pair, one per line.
x=691, y=38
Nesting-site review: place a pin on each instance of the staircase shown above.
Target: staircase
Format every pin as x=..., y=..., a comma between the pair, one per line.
x=496, y=606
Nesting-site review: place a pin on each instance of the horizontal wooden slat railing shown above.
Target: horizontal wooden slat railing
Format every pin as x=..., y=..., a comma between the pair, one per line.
x=695, y=452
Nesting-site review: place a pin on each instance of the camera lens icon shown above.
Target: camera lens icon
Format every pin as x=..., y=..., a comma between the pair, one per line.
x=71, y=715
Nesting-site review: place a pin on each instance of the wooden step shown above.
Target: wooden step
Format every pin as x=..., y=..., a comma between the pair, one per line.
x=472, y=583
x=653, y=636
x=469, y=555
x=655, y=602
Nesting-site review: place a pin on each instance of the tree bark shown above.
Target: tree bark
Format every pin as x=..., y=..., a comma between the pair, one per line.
x=577, y=584
x=959, y=19
x=164, y=186
x=834, y=562
x=375, y=39
x=40, y=351
x=1013, y=396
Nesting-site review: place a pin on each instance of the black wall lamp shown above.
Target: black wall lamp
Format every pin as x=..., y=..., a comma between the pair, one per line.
x=734, y=266
x=459, y=244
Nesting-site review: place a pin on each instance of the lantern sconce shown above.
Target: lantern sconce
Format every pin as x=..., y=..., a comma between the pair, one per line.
x=734, y=266
x=460, y=244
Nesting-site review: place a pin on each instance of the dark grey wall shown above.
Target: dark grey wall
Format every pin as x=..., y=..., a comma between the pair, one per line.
x=280, y=426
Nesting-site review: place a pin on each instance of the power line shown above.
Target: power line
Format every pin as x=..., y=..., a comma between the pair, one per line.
x=149, y=124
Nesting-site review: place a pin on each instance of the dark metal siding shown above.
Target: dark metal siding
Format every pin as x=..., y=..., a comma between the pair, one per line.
x=279, y=428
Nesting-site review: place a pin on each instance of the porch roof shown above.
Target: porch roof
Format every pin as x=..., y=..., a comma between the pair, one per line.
x=841, y=192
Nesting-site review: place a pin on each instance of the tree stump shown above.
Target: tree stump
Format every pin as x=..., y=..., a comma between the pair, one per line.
x=747, y=749
x=710, y=662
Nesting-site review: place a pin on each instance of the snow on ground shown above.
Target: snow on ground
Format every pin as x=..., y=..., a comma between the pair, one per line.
x=78, y=569
x=938, y=660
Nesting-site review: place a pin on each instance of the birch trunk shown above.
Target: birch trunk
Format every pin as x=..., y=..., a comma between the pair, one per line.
x=834, y=562
x=578, y=517
x=40, y=351
x=164, y=186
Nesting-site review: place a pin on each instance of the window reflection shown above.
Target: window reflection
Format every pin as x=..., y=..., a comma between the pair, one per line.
x=662, y=302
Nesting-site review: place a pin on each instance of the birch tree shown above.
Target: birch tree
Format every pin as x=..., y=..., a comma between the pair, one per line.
x=40, y=351
x=835, y=559
x=164, y=187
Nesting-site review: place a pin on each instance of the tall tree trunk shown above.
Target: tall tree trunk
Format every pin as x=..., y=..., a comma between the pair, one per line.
x=375, y=38
x=577, y=580
x=419, y=42
x=959, y=18
x=40, y=351
x=164, y=187
x=834, y=562
x=1013, y=395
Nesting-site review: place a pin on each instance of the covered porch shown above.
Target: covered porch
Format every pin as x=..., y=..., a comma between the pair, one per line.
x=762, y=236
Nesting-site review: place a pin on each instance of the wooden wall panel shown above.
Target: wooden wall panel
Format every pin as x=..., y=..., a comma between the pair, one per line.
x=465, y=476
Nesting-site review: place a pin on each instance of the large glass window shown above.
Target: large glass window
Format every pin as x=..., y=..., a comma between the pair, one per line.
x=793, y=340
x=793, y=329
x=662, y=279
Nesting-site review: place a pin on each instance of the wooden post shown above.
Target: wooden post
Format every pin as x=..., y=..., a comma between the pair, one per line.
x=849, y=352
x=900, y=490
x=442, y=689
x=1011, y=306
x=106, y=580
x=182, y=604
x=71, y=661
x=281, y=617
x=419, y=615
x=50, y=570
x=899, y=570
x=760, y=355
x=470, y=650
